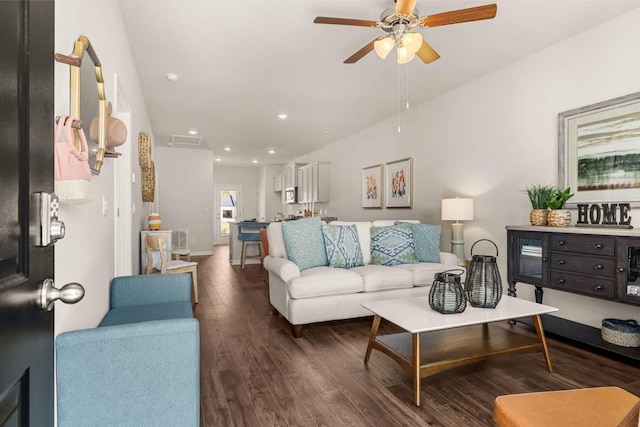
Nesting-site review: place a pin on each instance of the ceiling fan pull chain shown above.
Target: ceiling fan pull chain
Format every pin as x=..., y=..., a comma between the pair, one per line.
x=407, y=85
x=399, y=98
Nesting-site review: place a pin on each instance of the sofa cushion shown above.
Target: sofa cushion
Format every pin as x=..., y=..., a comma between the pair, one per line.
x=424, y=272
x=364, y=236
x=276, y=240
x=342, y=245
x=321, y=281
x=146, y=313
x=380, y=277
x=393, y=245
x=426, y=238
x=304, y=242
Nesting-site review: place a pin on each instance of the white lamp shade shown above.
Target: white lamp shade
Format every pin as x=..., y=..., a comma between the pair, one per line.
x=413, y=41
x=457, y=209
x=383, y=46
x=404, y=55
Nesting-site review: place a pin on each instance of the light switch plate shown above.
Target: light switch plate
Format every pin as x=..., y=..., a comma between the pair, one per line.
x=105, y=206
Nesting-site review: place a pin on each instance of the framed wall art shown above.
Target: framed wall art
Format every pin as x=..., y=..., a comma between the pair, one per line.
x=599, y=151
x=399, y=183
x=372, y=186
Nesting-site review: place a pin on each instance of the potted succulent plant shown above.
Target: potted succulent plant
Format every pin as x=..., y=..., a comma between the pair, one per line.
x=558, y=216
x=539, y=196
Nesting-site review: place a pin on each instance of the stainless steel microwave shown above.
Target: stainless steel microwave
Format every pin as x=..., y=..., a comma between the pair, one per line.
x=291, y=195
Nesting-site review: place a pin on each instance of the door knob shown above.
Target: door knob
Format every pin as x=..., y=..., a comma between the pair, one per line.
x=70, y=293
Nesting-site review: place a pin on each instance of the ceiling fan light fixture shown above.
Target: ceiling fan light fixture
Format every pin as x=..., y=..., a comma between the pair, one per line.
x=404, y=55
x=413, y=41
x=383, y=46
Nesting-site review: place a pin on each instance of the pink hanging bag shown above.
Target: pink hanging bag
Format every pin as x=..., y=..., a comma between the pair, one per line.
x=71, y=167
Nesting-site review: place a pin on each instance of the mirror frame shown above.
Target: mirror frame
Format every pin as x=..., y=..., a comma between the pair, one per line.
x=81, y=46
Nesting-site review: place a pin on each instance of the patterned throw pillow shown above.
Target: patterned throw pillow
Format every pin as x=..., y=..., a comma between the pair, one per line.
x=393, y=245
x=304, y=242
x=426, y=238
x=342, y=245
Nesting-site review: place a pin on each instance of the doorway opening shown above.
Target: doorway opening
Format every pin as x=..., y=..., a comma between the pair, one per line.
x=228, y=208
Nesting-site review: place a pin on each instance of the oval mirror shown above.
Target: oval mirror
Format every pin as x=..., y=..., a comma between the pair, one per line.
x=88, y=101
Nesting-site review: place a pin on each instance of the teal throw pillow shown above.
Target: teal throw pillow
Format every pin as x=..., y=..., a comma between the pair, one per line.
x=342, y=245
x=393, y=245
x=426, y=238
x=304, y=242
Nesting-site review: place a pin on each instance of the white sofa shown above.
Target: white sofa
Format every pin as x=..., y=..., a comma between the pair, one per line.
x=321, y=294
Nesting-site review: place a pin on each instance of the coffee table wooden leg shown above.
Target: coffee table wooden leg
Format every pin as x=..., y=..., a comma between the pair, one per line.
x=537, y=323
x=416, y=367
x=372, y=338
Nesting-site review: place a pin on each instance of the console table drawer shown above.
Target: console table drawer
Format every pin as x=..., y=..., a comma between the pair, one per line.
x=592, y=286
x=596, y=245
x=596, y=266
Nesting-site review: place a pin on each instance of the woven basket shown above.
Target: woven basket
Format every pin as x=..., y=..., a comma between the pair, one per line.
x=538, y=217
x=144, y=150
x=559, y=218
x=148, y=183
x=625, y=333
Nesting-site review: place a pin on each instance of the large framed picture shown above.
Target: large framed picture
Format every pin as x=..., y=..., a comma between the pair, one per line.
x=372, y=186
x=599, y=151
x=399, y=183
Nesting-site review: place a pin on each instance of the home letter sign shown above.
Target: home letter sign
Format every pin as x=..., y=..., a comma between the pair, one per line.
x=604, y=215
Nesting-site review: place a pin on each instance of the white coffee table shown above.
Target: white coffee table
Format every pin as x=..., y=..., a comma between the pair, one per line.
x=441, y=349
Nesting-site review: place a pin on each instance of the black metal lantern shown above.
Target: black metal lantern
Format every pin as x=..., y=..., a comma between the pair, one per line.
x=483, y=284
x=447, y=293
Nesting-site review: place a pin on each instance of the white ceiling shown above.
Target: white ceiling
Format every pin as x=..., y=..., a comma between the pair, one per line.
x=241, y=63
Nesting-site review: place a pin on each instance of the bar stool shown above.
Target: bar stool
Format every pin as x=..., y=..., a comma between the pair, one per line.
x=249, y=233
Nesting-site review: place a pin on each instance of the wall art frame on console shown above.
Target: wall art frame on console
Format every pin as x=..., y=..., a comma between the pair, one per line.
x=599, y=151
x=372, y=186
x=399, y=183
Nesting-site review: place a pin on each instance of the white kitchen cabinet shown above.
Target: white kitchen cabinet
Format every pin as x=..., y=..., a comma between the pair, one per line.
x=315, y=183
x=278, y=182
x=292, y=174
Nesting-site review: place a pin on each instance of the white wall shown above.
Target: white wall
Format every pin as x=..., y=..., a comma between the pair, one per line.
x=248, y=178
x=185, y=194
x=490, y=139
x=272, y=201
x=86, y=254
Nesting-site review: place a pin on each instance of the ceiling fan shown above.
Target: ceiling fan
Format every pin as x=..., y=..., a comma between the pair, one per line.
x=398, y=21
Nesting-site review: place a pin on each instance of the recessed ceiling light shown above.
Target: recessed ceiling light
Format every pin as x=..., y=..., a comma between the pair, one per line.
x=193, y=132
x=282, y=116
x=172, y=77
x=328, y=130
x=227, y=149
x=271, y=151
x=218, y=159
x=254, y=161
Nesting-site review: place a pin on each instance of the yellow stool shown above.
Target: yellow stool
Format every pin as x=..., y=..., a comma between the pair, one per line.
x=589, y=407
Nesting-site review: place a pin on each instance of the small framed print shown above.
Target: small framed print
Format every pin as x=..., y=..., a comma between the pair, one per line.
x=399, y=183
x=372, y=186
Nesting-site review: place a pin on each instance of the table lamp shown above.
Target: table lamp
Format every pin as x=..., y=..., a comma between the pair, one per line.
x=458, y=209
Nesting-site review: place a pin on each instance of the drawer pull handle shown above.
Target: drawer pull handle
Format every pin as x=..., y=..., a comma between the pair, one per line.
x=560, y=281
x=598, y=246
x=620, y=269
x=598, y=287
x=560, y=261
x=561, y=242
x=598, y=267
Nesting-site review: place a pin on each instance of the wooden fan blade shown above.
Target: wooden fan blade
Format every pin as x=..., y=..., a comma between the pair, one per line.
x=459, y=16
x=344, y=21
x=360, y=54
x=426, y=53
x=405, y=7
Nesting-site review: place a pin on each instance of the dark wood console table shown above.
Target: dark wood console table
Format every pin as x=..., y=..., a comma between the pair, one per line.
x=599, y=263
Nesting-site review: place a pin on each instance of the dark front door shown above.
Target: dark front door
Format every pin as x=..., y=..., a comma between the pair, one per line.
x=26, y=166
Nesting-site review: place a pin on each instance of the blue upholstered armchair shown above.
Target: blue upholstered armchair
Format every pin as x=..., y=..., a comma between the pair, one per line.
x=140, y=366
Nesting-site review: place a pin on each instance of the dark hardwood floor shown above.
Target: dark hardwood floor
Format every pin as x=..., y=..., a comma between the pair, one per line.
x=254, y=373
